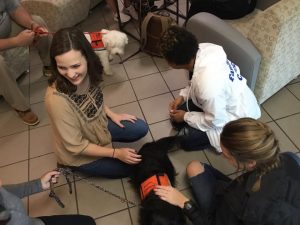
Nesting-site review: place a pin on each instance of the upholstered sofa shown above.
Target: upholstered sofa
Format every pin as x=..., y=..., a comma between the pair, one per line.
x=60, y=13
x=265, y=43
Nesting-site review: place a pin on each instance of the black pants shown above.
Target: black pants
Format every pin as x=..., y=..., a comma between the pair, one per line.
x=191, y=139
x=224, y=9
x=68, y=219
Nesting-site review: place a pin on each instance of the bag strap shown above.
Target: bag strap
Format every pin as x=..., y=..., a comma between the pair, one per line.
x=165, y=22
x=144, y=29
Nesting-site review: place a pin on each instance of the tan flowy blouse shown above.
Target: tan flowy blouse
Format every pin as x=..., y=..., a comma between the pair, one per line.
x=77, y=120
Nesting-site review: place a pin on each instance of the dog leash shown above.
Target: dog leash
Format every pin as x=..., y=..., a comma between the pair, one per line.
x=66, y=172
x=53, y=195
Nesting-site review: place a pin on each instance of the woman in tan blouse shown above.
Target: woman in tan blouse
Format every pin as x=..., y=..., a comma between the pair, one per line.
x=83, y=126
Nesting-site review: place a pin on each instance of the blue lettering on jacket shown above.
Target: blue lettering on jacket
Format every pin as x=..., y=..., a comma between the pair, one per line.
x=233, y=71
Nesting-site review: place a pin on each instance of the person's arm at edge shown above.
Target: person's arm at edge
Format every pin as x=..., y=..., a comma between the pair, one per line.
x=25, y=189
x=175, y=197
x=22, y=17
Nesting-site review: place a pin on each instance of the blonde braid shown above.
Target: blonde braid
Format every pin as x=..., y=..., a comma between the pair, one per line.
x=249, y=140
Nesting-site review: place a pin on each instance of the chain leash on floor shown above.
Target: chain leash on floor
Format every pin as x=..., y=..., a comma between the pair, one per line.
x=67, y=171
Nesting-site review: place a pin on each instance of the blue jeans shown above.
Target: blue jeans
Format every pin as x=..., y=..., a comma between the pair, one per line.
x=294, y=156
x=111, y=167
x=192, y=139
x=205, y=186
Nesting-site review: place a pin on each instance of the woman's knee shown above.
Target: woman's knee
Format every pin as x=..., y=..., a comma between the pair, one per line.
x=138, y=129
x=194, y=168
x=142, y=127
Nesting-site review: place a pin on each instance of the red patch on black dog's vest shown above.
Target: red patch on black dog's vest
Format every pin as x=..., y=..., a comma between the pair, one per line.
x=148, y=185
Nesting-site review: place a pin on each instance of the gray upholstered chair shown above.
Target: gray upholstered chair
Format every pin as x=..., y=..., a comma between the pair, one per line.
x=264, y=44
x=60, y=13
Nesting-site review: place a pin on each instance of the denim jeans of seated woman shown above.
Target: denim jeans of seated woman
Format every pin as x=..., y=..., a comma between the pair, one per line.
x=192, y=139
x=111, y=167
x=206, y=185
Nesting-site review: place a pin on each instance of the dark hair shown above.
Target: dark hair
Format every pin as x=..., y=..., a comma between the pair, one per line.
x=68, y=39
x=248, y=139
x=178, y=45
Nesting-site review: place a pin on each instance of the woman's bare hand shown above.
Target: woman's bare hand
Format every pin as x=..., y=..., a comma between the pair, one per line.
x=127, y=155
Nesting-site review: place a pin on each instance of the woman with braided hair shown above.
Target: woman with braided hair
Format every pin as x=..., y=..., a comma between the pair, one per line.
x=266, y=193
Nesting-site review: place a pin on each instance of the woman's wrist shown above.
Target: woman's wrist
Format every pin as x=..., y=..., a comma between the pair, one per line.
x=34, y=26
x=15, y=42
x=183, y=200
x=115, y=153
x=32, y=23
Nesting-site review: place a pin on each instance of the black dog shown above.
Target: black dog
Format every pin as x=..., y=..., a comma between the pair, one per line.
x=156, y=165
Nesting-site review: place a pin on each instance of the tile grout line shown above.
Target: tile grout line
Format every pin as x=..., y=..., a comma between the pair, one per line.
x=292, y=92
x=129, y=213
x=10, y=164
x=287, y=135
x=138, y=102
x=28, y=150
x=28, y=169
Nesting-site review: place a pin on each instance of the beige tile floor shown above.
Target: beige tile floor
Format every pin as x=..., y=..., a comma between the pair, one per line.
x=142, y=86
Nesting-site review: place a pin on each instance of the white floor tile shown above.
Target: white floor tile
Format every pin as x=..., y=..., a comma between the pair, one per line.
x=41, y=141
x=14, y=173
x=10, y=123
x=96, y=203
x=155, y=108
x=176, y=79
x=14, y=148
x=285, y=143
x=118, y=94
x=282, y=104
x=291, y=126
x=149, y=86
x=162, y=129
x=140, y=67
x=119, y=75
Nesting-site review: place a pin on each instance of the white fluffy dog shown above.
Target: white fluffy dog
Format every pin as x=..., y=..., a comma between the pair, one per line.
x=114, y=43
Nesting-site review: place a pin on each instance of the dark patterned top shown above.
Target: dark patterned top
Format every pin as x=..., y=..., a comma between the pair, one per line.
x=88, y=105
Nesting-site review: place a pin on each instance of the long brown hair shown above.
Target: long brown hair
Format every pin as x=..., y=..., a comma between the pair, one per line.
x=68, y=39
x=247, y=140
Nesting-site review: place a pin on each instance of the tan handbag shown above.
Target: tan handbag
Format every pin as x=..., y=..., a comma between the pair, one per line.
x=153, y=27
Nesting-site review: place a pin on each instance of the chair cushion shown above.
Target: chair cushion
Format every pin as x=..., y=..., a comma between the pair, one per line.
x=244, y=24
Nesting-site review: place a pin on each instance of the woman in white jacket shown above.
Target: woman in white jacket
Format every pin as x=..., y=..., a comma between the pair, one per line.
x=217, y=92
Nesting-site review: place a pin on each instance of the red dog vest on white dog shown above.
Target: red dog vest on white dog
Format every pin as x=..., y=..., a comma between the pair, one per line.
x=96, y=41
